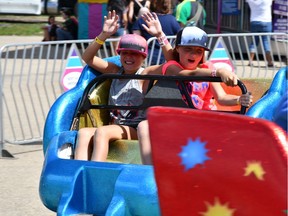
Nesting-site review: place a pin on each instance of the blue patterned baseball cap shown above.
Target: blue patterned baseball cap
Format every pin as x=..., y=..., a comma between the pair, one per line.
x=192, y=36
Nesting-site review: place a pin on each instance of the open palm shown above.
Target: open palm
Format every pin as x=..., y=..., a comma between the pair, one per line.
x=111, y=25
x=153, y=25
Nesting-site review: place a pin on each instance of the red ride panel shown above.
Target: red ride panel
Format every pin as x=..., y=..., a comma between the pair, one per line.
x=212, y=163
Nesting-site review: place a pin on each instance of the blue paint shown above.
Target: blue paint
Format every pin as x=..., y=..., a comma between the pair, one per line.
x=193, y=153
x=219, y=54
x=272, y=98
x=74, y=62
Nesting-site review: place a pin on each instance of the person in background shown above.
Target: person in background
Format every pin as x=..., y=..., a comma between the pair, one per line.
x=174, y=4
x=191, y=12
x=134, y=8
x=69, y=29
x=121, y=9
x=49, y=30
x=260, y=22
x=188, y=55
x=163, y=10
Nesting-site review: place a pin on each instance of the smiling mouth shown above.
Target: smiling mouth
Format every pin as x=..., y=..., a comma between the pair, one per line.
x=129, y=62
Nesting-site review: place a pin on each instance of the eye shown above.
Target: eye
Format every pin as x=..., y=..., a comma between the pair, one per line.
x=187, y=49
x=124, y=52
x=199, y=51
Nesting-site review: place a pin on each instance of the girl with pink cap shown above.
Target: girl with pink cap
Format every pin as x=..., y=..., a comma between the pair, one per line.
x=133, y=50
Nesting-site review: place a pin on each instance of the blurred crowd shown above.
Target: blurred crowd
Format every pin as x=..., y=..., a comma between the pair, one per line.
x=129, y=11
x=184, y=11
x=68, y=30
x=172, y=14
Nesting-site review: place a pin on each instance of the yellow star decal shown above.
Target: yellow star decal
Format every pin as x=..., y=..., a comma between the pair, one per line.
x=218, y=209
x=256, y=168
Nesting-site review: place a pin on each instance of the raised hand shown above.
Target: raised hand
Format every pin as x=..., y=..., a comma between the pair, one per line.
x=153, y=25
x=110, y=25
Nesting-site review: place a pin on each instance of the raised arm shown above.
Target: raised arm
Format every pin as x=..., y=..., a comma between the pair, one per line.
x=147, y=4
x=153, y=27
x=230, y=79
x=131, y=11
x=110, y=26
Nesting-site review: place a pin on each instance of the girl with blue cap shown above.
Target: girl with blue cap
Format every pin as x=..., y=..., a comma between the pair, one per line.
x=188, y=58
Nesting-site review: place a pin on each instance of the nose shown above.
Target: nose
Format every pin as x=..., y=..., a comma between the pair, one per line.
x=129, y=54
x=193, y=54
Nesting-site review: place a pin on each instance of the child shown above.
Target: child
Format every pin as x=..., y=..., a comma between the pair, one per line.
x=49, y=30
x=188, y=54
x=133, y=51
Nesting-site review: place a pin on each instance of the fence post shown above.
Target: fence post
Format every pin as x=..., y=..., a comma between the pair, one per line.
x=3, y=152
x=1, y=116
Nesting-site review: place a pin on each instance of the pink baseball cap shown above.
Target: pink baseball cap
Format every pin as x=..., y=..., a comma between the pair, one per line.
x=133, y=42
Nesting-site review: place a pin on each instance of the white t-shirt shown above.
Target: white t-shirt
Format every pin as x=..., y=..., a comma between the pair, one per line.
x=261, y=10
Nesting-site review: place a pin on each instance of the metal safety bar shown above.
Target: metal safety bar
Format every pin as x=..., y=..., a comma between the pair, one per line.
x=83, y=106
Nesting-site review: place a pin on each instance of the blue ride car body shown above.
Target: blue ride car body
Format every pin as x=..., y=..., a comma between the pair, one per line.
x=71, y=187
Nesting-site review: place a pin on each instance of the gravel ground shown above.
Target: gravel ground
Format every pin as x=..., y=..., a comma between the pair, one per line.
x=19, y=181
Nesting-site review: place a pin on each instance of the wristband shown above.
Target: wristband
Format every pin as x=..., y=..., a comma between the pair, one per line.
x=213, y=72
x=238, y=101
x=98, y=41
x=162, y=40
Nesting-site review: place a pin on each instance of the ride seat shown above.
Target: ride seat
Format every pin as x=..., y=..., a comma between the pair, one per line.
x=97, y=117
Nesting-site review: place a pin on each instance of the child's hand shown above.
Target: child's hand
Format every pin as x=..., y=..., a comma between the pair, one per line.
x=153, y=25
x=246, y=99
x=110, y=25
x=229, y=78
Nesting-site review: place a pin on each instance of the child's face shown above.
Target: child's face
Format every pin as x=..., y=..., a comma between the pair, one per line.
x=52, y=20
x=64, y=15
x=131, y=61
x=190, y=56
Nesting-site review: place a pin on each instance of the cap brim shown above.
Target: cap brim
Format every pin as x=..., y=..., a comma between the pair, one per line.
x=132, y=50
x=196, y=45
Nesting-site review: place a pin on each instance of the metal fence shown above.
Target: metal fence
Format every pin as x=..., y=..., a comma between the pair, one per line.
x=229, y=23
x=30, y=76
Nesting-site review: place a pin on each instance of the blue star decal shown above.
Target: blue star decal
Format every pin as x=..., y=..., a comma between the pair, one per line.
x=193, y=153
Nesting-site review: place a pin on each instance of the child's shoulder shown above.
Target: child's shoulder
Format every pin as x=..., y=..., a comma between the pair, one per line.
x=207, y=64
